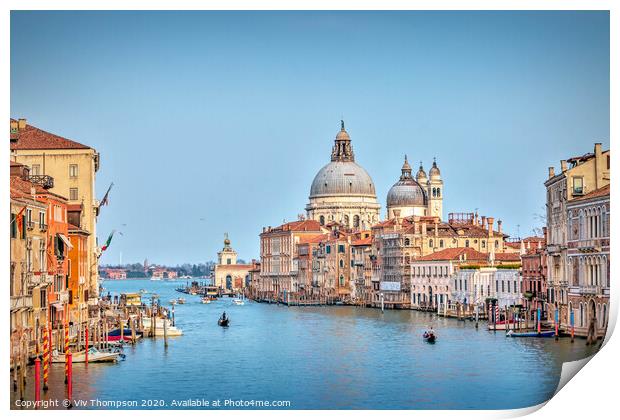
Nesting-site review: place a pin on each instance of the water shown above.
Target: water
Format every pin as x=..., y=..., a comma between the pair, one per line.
x=322, y=358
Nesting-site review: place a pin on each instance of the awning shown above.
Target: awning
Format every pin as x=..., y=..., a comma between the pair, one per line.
x=58, y=306
x=65, y=240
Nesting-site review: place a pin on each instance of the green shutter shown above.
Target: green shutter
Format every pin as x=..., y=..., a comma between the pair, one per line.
x=13, y=225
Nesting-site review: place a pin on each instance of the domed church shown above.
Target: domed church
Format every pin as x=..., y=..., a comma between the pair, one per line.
x=421, y=196
x=342, y=191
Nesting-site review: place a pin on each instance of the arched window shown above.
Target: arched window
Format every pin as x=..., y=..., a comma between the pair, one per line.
x=467, y=243
x=496, y=244
x=341, y=264
x=430, y=243
x=407, y=242
x=322, y=220
x=604, y=316
x=341, y=280
x=438, y=192
x=581, y=317
x=356, y=221
x=484, y=244
x=345, y=220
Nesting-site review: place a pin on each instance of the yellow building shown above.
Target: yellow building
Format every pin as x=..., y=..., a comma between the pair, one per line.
x=73, y=167
x=28, y=279
x=230, y=276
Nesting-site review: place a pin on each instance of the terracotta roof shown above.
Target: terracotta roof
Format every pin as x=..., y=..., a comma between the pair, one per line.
x=361, y=242
x=32, y=137
x=314, y=239
x=299, y=226
x=450, y=254
x=601, y=192
x=508, y=256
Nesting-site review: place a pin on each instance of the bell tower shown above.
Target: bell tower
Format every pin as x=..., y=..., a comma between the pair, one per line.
x=435, y=191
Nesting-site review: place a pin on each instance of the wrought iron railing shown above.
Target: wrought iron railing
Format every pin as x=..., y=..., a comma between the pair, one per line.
x=45, y=181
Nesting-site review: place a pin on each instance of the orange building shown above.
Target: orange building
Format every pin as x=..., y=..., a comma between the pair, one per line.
x=78, y=269
x=58, y=248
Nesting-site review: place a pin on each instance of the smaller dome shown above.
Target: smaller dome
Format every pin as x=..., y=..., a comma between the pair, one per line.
x=406, y=192
x=421, y=175
x=434, y=172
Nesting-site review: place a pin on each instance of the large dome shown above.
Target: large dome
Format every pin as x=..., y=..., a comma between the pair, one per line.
x=406, y=192
x=341, y=179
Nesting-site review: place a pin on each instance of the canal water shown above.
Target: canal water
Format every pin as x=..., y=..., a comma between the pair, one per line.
x=336, y=357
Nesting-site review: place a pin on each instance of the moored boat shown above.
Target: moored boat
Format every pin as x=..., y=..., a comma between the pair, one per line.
x=94, y=356
x=238, y=301
x=549, y=333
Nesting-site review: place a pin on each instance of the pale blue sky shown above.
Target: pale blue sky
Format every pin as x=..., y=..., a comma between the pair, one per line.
x=227, y=116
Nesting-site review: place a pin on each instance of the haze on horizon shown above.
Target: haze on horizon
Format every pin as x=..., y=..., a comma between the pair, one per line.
x=213, y=122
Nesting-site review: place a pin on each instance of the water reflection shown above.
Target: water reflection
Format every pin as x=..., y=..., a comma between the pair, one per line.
x=326, y=357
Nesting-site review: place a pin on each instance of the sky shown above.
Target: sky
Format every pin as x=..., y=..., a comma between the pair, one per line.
x=214, y=122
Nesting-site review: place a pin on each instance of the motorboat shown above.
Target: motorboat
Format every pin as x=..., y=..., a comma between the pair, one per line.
x=549, y=333
x=94, y=356
x=429, y=337
x=171, y=330
x=181, y=301
x=205, y=299
x=238, y=301
x=173, y=301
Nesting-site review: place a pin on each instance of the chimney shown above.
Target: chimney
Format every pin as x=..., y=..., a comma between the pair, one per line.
x=484, y=221
x=551, y=172
x=499, y=226
x=21, y=123
x=598, y=149
x=563, y=165
x=490, y=222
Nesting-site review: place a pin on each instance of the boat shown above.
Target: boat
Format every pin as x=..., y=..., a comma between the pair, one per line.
x=143, y=291
x=193, y=293
x=94, y=356
x=503, y=325
x=238, y=301
x=171, y=330
x=173, y=301
x=429, y=337
x=181, y=301
x=126, y=332
x=549, y=333
x=223, y=322
x=205, y=299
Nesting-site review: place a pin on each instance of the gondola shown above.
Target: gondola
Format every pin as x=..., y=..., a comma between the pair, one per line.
x=429, y=337
x=223, y=322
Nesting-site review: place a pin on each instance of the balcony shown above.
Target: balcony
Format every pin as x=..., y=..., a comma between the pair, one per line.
x=30, y=225
x=43, y=227
x=590, y=290
x=19, y=302
x=45, y=181
x=589, y=245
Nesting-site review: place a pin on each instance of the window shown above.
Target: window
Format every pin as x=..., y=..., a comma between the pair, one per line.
x=341, y=264
x=577, y=185
x=328, y=249
x=467, y=243
x=484, y=244
x=42, y=220
x=430, y=243
x=13, y=225
x=228, y=261
x=341, y=249
x=407, y=242
x=356, y=221
x=322, y=220
x=73, y=194
x=441, y=243
x=73, y=171
x=35, y=170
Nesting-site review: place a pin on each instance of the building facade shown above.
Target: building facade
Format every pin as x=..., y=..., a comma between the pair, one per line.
x=73, y=167
x=578, y=176
x=228, y=275
x=588, y=262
